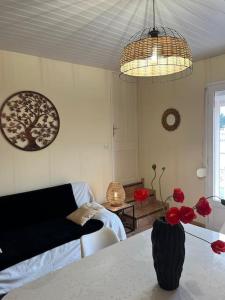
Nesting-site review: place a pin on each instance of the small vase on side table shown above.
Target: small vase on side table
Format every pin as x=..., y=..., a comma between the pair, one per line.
x=168, y=250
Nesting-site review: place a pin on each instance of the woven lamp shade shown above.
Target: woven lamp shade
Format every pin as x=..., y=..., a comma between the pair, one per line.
x=115, y=194
x=157, y=52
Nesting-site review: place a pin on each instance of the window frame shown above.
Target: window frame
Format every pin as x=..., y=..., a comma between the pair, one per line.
x=209, y=150
x=218, y=104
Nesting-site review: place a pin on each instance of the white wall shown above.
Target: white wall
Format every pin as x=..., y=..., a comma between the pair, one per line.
x=82, y=149
x=181, y=151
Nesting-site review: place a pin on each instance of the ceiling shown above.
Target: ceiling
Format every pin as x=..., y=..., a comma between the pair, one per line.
x=93, y=32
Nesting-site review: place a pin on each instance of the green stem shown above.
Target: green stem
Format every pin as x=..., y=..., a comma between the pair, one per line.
x=222, y=201
x=153, y=179
x=214, y=197
x=160, y=189
x=197, y=237
x=168, y=198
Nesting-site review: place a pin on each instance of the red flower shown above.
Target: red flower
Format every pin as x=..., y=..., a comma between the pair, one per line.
x=178, y=195
x=141, y=194
x=173, y=216
x=218, y=246
x=187, y=214
x=203, y=207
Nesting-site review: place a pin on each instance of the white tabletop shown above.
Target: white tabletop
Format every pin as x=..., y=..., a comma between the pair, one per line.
x=125, y=271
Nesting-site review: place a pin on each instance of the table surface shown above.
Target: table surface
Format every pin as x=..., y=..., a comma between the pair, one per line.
x=125, y=205
x=125, y=271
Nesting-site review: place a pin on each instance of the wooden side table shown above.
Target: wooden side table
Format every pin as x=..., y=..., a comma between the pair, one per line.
x=120, y=211
x=150, y=208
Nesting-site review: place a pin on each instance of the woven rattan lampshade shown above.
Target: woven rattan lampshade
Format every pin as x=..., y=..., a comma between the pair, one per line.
x=157, y=52
x=115, y=194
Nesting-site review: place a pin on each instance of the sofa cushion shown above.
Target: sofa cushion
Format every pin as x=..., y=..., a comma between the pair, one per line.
x=22, y=244
x=24, y=209
x=84, y=213
x=81, y=215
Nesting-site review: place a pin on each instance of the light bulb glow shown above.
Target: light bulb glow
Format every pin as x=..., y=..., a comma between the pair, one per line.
x=158, y=66
x=155, y=56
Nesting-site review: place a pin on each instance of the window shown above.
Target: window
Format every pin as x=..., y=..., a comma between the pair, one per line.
x=219, y=144
x=215, y=153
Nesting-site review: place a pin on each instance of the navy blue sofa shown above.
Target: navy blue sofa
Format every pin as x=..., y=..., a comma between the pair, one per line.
x=34, y=222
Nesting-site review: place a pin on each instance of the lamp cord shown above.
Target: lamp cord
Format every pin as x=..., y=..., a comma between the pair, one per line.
x=153, y=14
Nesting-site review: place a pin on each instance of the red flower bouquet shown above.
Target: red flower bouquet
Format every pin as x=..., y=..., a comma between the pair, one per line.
x=186, y=214
x=168, y=235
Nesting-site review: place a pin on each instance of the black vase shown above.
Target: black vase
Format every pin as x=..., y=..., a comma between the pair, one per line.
x=168, y=252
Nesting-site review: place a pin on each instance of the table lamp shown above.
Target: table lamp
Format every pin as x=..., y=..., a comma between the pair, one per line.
x=115, y=194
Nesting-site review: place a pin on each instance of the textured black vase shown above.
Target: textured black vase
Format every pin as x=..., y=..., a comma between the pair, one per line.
x=168, y=253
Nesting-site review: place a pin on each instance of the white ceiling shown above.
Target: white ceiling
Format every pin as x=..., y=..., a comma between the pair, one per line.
x=93, y=32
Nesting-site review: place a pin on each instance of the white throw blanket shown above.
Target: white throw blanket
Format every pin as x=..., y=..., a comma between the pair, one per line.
x=63, y=255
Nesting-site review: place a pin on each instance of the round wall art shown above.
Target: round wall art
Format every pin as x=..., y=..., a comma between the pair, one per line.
x=29, y=120
x=171, y=119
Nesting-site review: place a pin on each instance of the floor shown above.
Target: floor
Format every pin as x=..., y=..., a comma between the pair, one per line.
x=147, y=223
x=143, y=224
x=150, y=212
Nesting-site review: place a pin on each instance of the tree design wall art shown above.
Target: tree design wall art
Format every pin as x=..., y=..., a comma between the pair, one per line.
x=29, y=120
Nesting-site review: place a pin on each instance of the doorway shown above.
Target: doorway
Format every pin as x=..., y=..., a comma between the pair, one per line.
x=125, y=130
x=215, y=150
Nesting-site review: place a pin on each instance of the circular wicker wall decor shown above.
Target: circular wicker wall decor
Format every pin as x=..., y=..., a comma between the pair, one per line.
x=171, y=119
x=29, y=120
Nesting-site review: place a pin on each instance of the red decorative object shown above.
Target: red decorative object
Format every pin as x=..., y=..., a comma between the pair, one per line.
x=168, y=235
x=218, y=246
x=187, y=214
x=173, y=216
x=203, y=208
x=178, y=195
x=141, y=195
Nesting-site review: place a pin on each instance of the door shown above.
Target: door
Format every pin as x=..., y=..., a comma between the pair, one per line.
x=125, y=133
x=215, y=137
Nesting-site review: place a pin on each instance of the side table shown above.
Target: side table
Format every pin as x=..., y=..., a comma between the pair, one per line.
x=120, y=211
x=151, y=208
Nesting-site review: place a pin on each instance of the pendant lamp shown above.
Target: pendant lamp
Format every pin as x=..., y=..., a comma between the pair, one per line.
x=157, y=52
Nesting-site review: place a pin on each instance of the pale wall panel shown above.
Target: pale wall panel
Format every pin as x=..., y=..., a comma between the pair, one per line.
x=31, y=170
x=181, y=151
x=7, y=183
x=20, y=72
x=92, y=114
x=65, y=163
x=94, y=169
x=83, y=147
